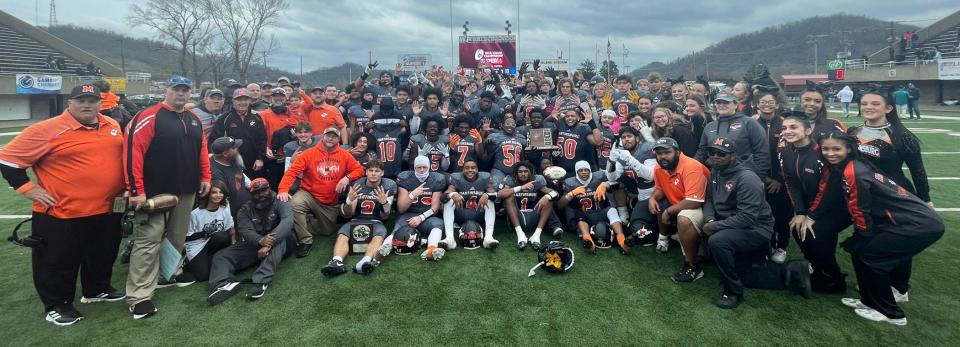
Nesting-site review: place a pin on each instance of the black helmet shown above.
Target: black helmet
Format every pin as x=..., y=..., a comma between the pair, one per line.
x=470, y=235
x=602, y=235
x=406, y=240
x=556, y=257
x=597, y=79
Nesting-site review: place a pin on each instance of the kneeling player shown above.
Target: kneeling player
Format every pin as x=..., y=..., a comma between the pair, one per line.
x=368, y=202
x=520, y=191
x=586, y=196
x=468, y=202
x=418, y=199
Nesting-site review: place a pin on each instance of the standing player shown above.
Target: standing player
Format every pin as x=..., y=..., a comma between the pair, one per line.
x=505, y=149
x=586, y=195
x=468, y=202
x=574, y=138
x=418, y=200
x=527, y=198
x=432, y=145
x=388, y=132
x=466, y=143
x=369, y=201
x=536, y=116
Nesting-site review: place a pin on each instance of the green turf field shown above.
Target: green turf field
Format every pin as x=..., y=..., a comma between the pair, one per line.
x=484, y=298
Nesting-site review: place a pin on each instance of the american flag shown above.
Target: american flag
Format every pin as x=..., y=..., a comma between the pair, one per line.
x=609, y=49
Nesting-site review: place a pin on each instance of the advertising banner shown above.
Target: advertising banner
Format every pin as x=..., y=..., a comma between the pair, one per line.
x=117, y=84
x=414, y=62
x=497, y=52
x=949, y=69
x=39, y=84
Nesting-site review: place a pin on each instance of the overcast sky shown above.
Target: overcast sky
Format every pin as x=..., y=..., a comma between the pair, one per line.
x=330, y=32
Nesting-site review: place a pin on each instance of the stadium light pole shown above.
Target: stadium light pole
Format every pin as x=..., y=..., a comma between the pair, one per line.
x=452, y=56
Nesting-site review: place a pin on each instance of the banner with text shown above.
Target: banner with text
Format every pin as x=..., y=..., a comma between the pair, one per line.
x=39, y=84
x=414, y=62
x=949, y=69
x=497, y=52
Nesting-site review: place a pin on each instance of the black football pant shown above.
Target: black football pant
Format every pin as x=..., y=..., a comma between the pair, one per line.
x=820, y=249
x=86, y=245
x=782, y=213
x=199, y=266
x=740, y=255
x=886, y=261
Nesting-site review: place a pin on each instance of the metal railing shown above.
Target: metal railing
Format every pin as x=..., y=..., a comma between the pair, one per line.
x=861, y=64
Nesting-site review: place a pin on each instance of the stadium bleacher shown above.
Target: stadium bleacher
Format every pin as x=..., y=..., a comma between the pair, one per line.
x=21, y=54
x=946, y=42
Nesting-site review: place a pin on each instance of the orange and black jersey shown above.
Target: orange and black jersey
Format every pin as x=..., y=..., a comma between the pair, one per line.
x=573, y=145
x=526, y=200
x=803, y=175
x=587, y=201
x=879, y=205
x=165, y=152
x=888, y=152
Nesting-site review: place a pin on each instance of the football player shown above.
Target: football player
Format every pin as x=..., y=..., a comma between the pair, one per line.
x=586, y=195
x=466, y=143
x=505, y=149
x=368, y=201
x=633, y=167
x=418, y=200
x=575, y=137
x=432, y=145
x=527, y=200
x=467, y=200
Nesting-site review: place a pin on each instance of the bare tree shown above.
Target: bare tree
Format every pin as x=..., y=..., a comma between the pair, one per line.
x=179, y=22
x=241, y=24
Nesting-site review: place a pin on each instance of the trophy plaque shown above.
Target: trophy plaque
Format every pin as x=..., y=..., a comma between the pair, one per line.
x=360, y=236
x=541, y=139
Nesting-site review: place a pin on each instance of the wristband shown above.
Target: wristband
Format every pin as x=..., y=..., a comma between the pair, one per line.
x=517, y=189
x=411, y=196
x=350, y=202
x=553, y=194
x=592, y=125
x=426, y=214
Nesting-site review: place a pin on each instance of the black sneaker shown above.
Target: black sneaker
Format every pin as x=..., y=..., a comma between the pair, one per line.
x=179, y=282
x=688, y=273
x=222, y=293
x=256, y=291
x=333, y=268
x=304, y=250
x=365, y=269
x=63, y=315
x=798, y=277
x=828, y=284
x=143, y=309
x=728, y=301
x=112, y=295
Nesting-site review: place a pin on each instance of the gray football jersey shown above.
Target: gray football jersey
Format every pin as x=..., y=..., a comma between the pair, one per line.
x=587, y=201
x=436, y=182
x=526, y=200
x=507, y=150
x=368, y=208
x=434, y=150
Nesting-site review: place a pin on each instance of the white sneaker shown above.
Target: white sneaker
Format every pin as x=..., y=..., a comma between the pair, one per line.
x=663, y=243
x=490, y=243
x=905, y=297
x=557, y=232
x=450, y=243
x=875, y=316
x=437, y=254
x=779, y=256
x=853, y=303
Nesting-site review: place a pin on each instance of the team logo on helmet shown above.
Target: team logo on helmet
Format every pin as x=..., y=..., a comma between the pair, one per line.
x=556, y=257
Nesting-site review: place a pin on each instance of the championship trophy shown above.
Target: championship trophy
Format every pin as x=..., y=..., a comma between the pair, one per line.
x=541, y=139
x=360, y=236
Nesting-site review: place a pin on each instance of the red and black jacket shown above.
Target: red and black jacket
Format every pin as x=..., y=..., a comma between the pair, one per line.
x=165, y=152
x=249, y=128
x=878, y=205
x=812, y=189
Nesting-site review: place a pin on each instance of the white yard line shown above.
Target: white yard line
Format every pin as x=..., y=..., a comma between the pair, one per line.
x=950, y=153
x=10, y=134
x=943, y=178
x=14, y=216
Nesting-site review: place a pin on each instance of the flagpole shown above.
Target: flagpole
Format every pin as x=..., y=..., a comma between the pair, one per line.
x=608, y=59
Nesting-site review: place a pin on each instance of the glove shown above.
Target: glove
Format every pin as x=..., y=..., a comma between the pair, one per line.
x=602, y=191
x=444, y=150
x=646, y=131
x=617, y=155
x=578, y=190
x=476, y=133
x=413, y=81
x=491, y=87
x=454, y=139
x=536, y=64
x=370, y=67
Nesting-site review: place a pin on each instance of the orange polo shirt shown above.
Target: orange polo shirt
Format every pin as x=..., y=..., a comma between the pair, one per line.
x=323, y=117
x=80, y=167
x=687, y=182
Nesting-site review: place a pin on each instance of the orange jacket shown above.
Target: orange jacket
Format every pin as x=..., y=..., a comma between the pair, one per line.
x=321, y=171
x=109, y=100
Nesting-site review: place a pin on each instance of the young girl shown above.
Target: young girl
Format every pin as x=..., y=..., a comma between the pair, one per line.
x=814, y=195
x=663, y=126
x=210, y=230
x=891, y=226
x=768, y=104
x=695, y=109
x=812, y=104
x=887, y=144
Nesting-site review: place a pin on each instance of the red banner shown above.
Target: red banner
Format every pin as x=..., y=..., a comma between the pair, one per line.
x=496, y=55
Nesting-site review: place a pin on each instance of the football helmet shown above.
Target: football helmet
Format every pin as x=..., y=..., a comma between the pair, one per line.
x=470, y=235
x=602, y=235
x=406, y=240
x=556, y=257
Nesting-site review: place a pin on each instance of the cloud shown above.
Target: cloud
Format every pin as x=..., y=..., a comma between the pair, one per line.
x=328, y=33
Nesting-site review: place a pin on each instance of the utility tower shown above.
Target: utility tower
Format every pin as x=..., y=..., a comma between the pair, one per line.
x=53, y=13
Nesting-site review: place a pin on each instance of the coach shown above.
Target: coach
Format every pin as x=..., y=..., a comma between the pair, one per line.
x=74, y=158
x=165, y=153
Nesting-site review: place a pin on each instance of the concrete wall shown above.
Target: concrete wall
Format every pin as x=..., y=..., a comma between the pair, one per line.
x=14, y=107
x=894, y=73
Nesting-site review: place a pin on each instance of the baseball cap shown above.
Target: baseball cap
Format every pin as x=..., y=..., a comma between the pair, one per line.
x=283, y=78
x=724, y=144
x=608, y=113
x=241, y=92
x=230, y=83
x=214, y=91
x=222, y=144
x=316, y=88
x=278, y=91
x=85, y=90
x=179, y=81
x=332, y=129
x=259, y=184
x=726, y=97
x=666, y=142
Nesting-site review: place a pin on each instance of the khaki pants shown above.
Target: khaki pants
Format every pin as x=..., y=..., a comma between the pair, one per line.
x=148, y=231
x=311, y=217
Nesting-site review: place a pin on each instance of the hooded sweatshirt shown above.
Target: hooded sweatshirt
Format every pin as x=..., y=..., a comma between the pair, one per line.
x=735, y=201
x=753, y=151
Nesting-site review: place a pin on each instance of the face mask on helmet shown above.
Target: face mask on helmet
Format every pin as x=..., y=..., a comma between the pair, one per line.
x=406, y=241
x=470, y=235
x=601, y=234
x=556, y=257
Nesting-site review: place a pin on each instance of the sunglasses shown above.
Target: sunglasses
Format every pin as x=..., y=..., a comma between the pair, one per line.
x=717, y=153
